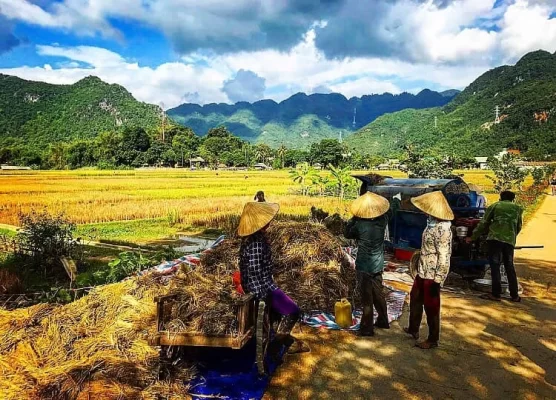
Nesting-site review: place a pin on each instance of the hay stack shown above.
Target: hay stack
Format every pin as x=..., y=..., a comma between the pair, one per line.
x=93, y=348
x=204, y=304
x=308, y=264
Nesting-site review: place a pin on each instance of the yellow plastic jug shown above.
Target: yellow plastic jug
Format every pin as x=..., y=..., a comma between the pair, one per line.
x=342, y=310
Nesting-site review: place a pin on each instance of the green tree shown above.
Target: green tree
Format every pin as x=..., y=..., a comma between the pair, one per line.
x=342, y=179
x=304, y=176
x=185, y=143
x=281, y=153
x=57, y=155
x=326, y=152
x=262, y=153
x=507, y=174
x=81, y=154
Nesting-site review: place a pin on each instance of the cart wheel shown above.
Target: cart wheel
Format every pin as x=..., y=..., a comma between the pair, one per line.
x=262, y=336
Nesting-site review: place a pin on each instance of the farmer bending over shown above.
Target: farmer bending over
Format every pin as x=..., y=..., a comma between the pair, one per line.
x=256, y=274
x=368, y=226
x=502, y=222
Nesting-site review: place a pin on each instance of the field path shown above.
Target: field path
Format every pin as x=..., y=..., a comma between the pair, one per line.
x=487, y=351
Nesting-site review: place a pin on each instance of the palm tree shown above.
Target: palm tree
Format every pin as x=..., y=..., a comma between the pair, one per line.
x=262, y=152
x=302, y=175
x=281, y=152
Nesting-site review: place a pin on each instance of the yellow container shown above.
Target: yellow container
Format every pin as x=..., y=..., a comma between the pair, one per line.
x=342, y=310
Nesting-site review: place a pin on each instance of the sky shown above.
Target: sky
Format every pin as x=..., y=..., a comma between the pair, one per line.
x=168, y=52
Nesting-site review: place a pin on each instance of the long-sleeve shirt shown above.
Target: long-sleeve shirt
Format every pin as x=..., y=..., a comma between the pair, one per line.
x=502, y=222
x=369, y=234
x=255, y=266
x=436, y=250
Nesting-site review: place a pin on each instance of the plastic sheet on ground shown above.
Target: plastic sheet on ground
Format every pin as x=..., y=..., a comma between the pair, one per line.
x=395, y=300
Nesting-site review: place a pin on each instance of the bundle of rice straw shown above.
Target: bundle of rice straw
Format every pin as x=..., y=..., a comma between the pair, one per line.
x=204, y=304
x=308, y=264
x=94, y=348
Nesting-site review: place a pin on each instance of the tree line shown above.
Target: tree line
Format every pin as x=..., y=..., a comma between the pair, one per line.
x=134, y=147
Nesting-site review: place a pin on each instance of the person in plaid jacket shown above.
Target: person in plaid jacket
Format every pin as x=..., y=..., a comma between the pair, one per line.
x=256, y=274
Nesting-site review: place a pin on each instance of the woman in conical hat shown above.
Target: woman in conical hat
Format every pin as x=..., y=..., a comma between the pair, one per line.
x=432, y=268
x=370, y=219
x=256, y=273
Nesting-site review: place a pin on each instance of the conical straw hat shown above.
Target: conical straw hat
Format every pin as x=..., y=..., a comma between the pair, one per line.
x=255, y=216
x=475, y=188
x=369, y=205
x=435, y=204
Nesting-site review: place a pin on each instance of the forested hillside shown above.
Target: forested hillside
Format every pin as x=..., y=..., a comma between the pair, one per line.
x=525, y=95
x=301, y=119
x=39, y=113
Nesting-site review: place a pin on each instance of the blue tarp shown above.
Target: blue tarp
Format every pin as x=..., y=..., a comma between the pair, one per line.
x=230, y=375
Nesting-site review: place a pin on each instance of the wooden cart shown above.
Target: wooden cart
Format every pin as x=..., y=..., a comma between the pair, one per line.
x=252, y=320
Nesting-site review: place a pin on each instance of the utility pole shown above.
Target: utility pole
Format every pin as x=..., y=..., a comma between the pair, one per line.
x=497, y=118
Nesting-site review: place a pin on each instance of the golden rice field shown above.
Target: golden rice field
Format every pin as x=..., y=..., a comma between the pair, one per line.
x=187, y=196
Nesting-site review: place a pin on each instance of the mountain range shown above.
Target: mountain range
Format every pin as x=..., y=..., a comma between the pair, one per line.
x=301, y=119
x=506, y=107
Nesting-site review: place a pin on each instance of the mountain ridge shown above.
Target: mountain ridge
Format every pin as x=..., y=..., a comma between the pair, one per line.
x=524, y=94
x=300, y=119
x=41, y=113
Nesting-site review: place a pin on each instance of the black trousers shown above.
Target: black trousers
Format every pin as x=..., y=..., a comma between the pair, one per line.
x=499, y=252
x=372, y=294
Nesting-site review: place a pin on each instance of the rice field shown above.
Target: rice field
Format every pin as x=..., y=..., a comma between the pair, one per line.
x=178, y=196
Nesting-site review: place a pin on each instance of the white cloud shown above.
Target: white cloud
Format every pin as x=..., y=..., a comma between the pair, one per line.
x=201, y=78
x=527, y=27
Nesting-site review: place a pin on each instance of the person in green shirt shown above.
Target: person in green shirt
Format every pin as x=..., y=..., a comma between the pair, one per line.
x=501, y=223
x=370, y=218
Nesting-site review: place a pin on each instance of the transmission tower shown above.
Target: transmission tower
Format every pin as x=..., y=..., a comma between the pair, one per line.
x=354, y=114
x=340, y=137
x=435, y=122
x=497, y=112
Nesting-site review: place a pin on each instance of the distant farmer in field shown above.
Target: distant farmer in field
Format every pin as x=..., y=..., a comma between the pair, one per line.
x=553, y=184
x=256, y=274
x=502, y=223
x=259, y=197
x=367, y=226
x=433, y=265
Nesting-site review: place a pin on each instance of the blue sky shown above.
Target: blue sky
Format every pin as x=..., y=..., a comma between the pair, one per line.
x=175, y=51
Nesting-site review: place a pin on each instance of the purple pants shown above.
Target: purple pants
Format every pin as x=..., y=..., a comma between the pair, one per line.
x=282, y=304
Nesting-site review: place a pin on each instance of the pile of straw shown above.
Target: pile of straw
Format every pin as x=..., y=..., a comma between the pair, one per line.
x=204, y=304
x=308, y=264
x=94, y=348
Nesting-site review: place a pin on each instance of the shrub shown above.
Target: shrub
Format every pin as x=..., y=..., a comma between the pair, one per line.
x=45, y=238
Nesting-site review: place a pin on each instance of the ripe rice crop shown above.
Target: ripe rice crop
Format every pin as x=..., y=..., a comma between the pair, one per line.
x=186, y=196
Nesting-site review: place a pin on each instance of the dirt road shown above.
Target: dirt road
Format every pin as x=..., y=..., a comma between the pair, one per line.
x=487, y=350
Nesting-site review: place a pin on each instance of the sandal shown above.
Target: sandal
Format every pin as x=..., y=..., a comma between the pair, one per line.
x=415, y=335
x=426, y=345
x=490, y=297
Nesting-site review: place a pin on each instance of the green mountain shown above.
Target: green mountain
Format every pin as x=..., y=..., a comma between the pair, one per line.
x=525, y=95
x=301, y=119
x=38, y=113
